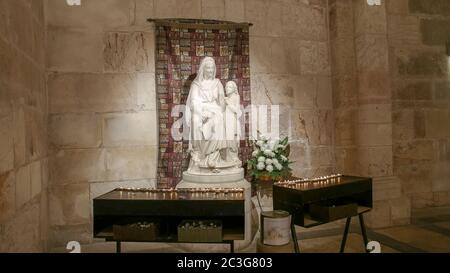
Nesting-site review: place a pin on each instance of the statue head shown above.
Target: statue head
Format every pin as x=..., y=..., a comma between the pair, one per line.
x=231, y=88
x=207, y=69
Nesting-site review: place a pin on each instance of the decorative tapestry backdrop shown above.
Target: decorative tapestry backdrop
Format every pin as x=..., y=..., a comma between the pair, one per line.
x=180, y=47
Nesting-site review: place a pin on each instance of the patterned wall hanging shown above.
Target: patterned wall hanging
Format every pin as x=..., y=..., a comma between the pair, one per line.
x=180, y=47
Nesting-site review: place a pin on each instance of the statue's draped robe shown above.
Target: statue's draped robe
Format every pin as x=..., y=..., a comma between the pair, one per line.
x=233, y=126
x=205, y=118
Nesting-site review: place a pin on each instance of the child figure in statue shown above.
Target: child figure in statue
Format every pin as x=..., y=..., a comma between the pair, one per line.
x=232, y=122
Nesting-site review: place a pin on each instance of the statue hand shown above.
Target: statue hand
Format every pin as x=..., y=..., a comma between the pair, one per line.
x=206, y=116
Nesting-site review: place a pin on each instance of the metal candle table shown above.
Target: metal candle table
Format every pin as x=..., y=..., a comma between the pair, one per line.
x=314, y=203
x=169, y=209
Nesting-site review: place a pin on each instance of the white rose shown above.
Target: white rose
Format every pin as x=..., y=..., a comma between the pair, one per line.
x=272, y=144
x=255, y=153
x=279, y=166
x=261, y=166
x=281, y=147
x=268, y=152
x=261, y=159
x=284, y=158
x=269, y=161
x=275, y=161
x=269, y=168
x=259, y=143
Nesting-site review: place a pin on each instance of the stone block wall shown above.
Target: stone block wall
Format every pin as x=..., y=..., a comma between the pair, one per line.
x=102, y=108
x=102, y=102
x=395, y=126
x=417, y=34
x=374, y=123
x=291, y=67
x=344, y=85
x=23, y=130
x=363, y=105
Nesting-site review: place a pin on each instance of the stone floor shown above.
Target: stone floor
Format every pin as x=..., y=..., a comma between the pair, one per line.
x=427, y=234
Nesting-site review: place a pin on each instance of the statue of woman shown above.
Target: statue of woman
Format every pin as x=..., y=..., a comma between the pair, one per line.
x=204, y=117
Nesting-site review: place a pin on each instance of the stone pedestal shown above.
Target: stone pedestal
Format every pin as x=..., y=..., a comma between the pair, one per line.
x=226, y=180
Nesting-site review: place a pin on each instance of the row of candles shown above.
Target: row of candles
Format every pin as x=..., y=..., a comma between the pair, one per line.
x=319, y=181
x=193, y=190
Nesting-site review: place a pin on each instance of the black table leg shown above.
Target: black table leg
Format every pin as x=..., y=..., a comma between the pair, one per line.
x=118, y=247
x=363, y=231
x=232, y=247
x=344, y=239
x=294, y=238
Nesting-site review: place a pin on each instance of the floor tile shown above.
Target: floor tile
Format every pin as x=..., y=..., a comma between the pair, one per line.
x=419, y=237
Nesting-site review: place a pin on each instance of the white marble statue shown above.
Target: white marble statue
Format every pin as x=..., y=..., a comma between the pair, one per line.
x=232, y=122
x=205, y=108
x=214, y=133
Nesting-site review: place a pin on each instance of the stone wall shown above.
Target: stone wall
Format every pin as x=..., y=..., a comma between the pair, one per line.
x=23, y=130
x=375, y=126
x=390, y=89
x=344, y=85
x=363, y=106
x=290, y=67
x=102, y=108
x=103, y=119
x=417, y=33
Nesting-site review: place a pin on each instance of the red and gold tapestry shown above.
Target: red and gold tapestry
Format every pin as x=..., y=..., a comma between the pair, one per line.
x=180, y=47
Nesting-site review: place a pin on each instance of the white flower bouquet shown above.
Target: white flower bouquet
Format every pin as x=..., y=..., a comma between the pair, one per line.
x=270, y=159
